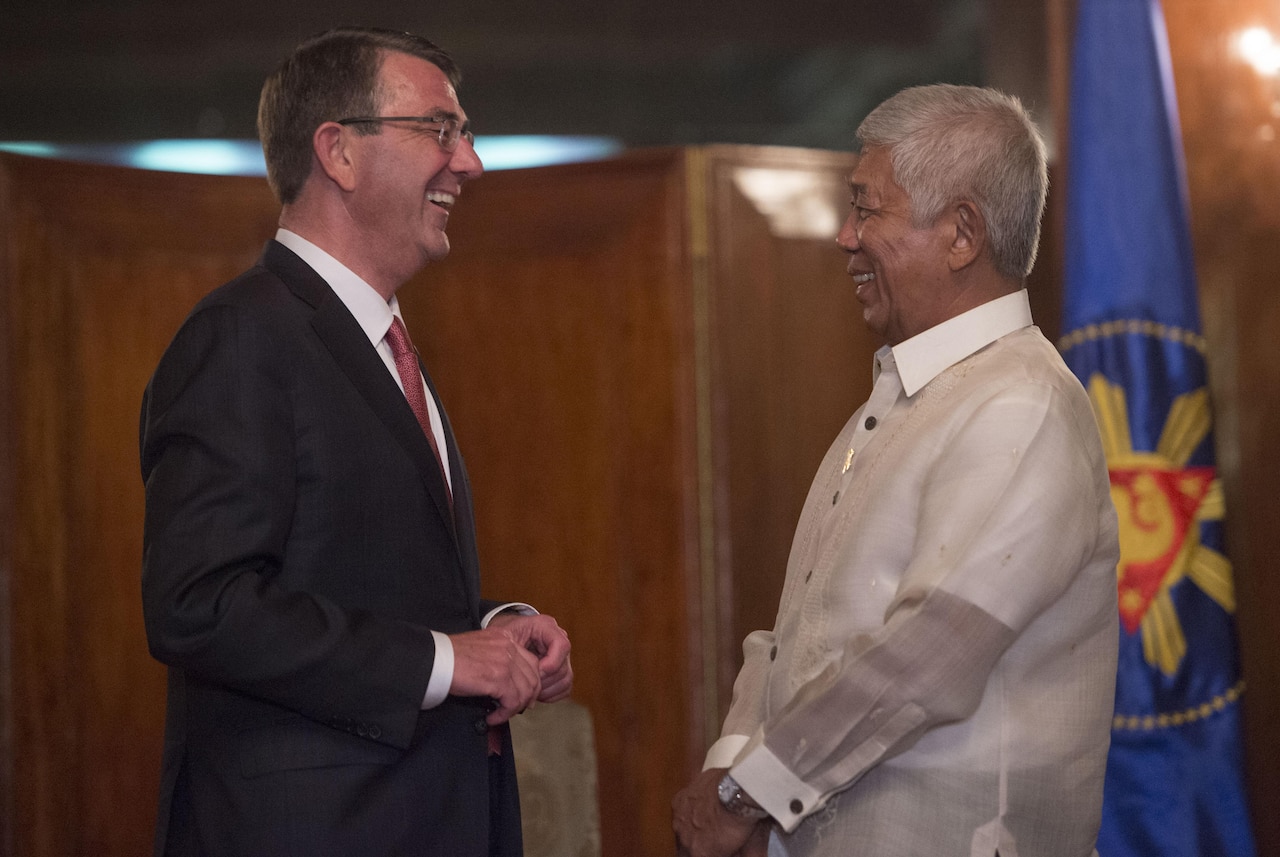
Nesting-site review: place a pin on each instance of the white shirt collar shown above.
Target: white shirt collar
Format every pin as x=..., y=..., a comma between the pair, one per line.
x=924, y=356
x=372, y=313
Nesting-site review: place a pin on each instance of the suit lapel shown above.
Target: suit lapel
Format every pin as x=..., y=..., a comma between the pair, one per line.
x=464, y=515
x=350, y=348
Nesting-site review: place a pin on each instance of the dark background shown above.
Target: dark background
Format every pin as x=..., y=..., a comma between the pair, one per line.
x=658, y=72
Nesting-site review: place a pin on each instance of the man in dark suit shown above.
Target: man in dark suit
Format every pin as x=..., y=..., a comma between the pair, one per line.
x=310, y=577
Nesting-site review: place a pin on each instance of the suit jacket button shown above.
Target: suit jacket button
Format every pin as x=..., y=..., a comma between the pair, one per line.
x=362, y=730
x=481, y=727
x=375, y=731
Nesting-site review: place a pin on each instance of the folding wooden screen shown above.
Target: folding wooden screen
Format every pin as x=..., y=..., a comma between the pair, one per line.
x=100, y=265
x=644, y=360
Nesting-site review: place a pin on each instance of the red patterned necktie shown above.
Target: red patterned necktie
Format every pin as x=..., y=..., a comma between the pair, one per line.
x=406, y=357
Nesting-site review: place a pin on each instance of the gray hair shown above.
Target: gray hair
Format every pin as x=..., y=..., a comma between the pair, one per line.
x=948, y=143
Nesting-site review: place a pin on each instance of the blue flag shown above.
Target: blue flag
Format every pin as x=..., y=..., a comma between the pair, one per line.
x=1174, y=783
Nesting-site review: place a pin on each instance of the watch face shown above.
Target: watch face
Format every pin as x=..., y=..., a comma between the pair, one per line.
x=727, y=789
x=730, y=794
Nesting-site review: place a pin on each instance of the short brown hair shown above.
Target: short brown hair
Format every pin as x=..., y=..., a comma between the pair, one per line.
x=329, y=76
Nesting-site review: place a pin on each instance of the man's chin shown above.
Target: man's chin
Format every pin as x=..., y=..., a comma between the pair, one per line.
x=875, y=324
x=436, y=249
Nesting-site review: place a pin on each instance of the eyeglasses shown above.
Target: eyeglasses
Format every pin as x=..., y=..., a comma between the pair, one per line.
x=451, y=130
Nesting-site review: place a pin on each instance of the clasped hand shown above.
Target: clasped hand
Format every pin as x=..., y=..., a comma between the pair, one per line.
x=516, y=661
x=704, y=828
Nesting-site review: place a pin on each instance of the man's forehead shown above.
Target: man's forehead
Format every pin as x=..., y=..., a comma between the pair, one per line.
x=872, y=171
x=404, y=77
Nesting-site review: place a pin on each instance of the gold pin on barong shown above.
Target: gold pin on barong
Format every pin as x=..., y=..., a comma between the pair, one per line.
x=848, y=461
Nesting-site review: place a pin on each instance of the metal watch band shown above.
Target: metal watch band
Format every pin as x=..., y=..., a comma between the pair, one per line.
x=734, y=801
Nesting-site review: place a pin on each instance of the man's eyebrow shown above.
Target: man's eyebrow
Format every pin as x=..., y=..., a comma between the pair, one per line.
x=441, y=113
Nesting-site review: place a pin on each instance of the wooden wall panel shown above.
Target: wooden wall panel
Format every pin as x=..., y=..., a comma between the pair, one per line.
x=100, y=267
x=791, y=363
x=559, y=335
x=665, y=367
x=41, y=736
x=1230, y=127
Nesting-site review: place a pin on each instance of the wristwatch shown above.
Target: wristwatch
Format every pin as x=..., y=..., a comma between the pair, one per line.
x=735, y=800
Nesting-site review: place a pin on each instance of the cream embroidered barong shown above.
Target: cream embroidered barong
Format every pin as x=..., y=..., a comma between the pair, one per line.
x=941, y=674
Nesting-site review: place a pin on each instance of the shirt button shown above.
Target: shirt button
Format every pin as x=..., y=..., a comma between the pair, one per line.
x=870, y=423
x=773, y=653
x=835, y=497
x=808, y=575
x=796, y=807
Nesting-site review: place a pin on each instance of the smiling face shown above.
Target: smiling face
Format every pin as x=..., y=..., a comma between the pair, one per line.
x=901, y=270
x=405, y=181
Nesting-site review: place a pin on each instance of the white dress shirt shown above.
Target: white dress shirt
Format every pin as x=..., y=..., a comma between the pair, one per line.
x=374, y=314
x=941, y=673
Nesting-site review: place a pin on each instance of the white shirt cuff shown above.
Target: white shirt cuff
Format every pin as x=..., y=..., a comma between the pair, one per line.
x=518, y=606
x=441, y=672
x=769, y=783
x=725, y=752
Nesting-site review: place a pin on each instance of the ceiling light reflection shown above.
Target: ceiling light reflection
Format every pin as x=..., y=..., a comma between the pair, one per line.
x=244, y=157
x=1259, y=48
x=797, y=203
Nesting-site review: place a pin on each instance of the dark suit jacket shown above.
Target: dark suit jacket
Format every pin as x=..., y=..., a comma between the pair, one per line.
x=298, y=549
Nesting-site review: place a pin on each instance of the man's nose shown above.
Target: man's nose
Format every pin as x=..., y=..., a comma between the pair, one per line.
x=847, y=239
x=465, y=162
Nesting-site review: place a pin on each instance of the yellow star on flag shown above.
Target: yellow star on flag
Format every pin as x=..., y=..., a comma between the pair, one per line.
x=1160, y=501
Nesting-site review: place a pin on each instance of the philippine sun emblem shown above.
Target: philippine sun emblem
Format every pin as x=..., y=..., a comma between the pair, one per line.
x=1161, y=501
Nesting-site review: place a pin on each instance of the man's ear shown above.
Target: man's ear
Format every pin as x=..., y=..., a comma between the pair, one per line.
x=330, y=146
x=969, y=238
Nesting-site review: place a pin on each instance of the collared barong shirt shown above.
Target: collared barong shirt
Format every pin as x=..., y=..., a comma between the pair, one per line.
x=941, y=673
